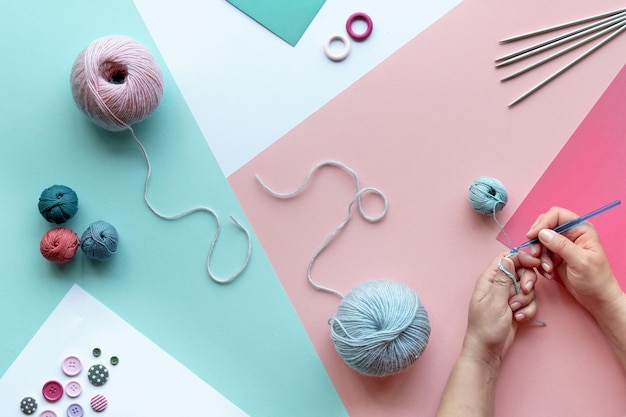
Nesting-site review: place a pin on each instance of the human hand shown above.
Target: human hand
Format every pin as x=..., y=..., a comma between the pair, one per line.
x=578, y=257
x=495, y=308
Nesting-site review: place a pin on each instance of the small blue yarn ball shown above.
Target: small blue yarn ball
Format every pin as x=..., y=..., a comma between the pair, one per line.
x=380, y=328
x=58, y=204
x=487, y=195
x=99, y=241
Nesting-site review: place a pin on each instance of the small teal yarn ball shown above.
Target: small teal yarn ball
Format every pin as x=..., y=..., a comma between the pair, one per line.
x=99, y=241
x=58, y=204
x=487, y=195
x=380, y=328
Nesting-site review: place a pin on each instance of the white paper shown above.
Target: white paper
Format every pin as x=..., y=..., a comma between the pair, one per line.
x=146, y=382
x=246, y=87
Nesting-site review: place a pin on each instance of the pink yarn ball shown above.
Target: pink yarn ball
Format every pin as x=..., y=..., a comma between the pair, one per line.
x=59, y=245
x=116, y=81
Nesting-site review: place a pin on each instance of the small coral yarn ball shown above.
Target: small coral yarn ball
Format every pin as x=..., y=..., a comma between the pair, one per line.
x=59, y=245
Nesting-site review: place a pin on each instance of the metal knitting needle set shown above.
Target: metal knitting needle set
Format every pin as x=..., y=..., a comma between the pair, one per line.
x=595, y=31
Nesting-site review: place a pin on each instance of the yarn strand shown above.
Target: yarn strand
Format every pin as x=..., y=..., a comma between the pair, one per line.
x=355, y=200
x=495, y=219
x=116, y=82
x=194, y=210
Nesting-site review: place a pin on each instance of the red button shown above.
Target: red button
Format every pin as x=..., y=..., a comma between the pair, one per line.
x=52, y=391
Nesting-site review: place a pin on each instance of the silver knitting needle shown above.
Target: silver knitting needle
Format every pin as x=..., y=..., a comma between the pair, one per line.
x=613, y=24
x=564, y=51
x=568, y=66
x=569, y=34
x=561, y=26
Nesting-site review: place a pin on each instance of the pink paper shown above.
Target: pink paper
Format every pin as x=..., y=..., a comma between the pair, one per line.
x=589, y=172
x=421, y=127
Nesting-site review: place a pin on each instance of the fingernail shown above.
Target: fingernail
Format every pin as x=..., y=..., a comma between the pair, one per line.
x=546, y=235
x=545, y=266
x=520, y=316
x=529, y=285
x=533, y=250
x=516, y=305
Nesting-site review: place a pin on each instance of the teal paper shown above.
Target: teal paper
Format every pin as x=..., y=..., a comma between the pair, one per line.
x=243, y=338
x=288, y=19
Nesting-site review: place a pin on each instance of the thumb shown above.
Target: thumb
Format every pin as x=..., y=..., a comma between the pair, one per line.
x=559, y=245
x=503, y=280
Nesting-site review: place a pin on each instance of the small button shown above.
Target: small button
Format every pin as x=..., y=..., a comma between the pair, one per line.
x=96, y=352
x=75, y=410
x=98, y=375
x=115, y=360
x=28, y=405
x=52, y=391
x=72, y=366
x=73, y=389
x=47, y=413
x=99, y=403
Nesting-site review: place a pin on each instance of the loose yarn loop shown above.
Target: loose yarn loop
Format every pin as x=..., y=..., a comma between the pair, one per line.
x=58, y=203
x=116, y=82
x=488, y=196
x=381, y=328
x=194, y=210
x=99, y=241
x=59, y=245
x=356, y=199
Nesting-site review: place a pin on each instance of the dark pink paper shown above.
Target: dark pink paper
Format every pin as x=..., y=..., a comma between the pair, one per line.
x=589, y=172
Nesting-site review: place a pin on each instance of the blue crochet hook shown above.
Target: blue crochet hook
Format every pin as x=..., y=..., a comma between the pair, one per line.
x=569, y=225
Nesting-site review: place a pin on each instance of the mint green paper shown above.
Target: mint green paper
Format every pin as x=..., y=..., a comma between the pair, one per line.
x=243, y=338
x=288, y=19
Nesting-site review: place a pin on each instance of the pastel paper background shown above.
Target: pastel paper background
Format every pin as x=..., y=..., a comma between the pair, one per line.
x=287, y=19
x=588, y=173
x=146, y=381
x=246, y=87
x=421, y=126
x=243, y=339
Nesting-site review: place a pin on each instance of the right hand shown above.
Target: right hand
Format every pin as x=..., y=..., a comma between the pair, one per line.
x=578, y=257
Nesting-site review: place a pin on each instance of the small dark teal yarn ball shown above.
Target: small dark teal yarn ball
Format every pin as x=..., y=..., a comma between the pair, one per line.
x=99, y=241
x=58, y=204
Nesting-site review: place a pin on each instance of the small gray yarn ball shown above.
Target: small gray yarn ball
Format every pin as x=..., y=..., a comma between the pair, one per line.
x=487, y=195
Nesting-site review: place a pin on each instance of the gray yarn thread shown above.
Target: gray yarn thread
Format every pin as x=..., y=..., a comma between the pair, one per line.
x=380, y=327
x=196, y=209
x=355, y=200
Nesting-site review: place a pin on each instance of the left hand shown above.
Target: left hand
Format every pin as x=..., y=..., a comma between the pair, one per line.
x=495, y=309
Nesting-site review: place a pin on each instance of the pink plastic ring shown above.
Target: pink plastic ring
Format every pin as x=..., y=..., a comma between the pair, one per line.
x=359, y=16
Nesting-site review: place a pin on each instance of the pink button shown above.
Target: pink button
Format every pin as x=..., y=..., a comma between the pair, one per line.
x=72, y=366
x=73, y=389
x=52, y=391
x=47, y=413
x=99, y=403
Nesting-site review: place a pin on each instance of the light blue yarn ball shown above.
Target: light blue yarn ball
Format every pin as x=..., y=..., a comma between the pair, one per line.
x=487, y=195
x=58, y=204
x=380, y=328
x=99, y=241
